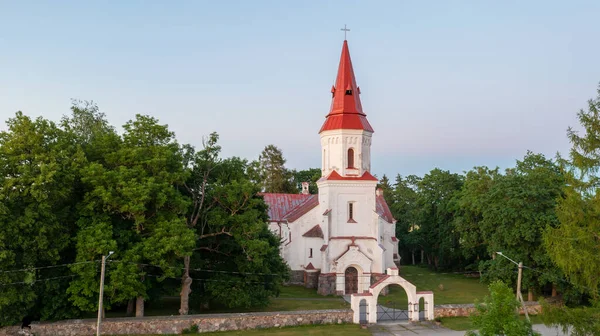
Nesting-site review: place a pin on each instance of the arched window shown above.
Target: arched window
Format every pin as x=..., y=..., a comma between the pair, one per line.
x=350, y=158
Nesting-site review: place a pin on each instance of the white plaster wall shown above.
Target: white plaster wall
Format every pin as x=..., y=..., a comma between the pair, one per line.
x=297, y=252
x=334, y=150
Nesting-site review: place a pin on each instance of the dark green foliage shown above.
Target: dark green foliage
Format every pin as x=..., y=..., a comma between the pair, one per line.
x=580, y=321
x=39, y=167
x=310, y=175
x=272, y=173
x=435, y=217
x=387, y=189
x=575, y=244
x=74, y=192
x=497, y=315
x=520, y=206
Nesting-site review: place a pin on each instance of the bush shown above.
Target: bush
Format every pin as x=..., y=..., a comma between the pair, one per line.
x=498, y=314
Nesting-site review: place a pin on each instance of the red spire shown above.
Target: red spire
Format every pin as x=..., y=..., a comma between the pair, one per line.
x=346, y=110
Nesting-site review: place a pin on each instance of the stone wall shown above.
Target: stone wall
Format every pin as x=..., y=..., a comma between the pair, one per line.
x=296, y=278
x=311, y=279
x=533, y=308
x=326, y=284
x=175, y=324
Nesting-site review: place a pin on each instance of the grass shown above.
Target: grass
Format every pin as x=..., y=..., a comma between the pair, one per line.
x=291, y=298
x=457, y=288
x=295, y=291
x=464, y=323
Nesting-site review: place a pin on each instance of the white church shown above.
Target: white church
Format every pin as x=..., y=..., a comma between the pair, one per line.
x=342, y=239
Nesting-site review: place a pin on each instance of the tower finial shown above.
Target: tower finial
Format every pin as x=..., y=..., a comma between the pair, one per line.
x=345, y=30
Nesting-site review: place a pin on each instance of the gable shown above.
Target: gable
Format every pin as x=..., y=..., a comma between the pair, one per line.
x=315, y=232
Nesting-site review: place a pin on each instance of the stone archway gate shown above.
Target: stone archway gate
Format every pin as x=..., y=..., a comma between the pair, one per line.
x=391, y=278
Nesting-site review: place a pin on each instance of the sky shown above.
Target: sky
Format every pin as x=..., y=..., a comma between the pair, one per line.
x=446, y=84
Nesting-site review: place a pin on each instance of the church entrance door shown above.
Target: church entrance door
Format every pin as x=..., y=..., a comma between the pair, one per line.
x=351, y=279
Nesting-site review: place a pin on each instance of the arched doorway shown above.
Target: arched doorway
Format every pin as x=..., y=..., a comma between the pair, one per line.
x=351, y=280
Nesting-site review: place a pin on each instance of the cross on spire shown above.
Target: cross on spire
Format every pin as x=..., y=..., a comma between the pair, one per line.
x=345, y=30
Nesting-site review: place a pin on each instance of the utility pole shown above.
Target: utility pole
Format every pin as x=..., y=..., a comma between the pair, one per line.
x=519, y=277
x=100, y=299
x=519, y=280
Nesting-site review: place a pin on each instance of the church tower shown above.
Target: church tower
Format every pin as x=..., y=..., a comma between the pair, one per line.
x=357, y=249
x=346, y=133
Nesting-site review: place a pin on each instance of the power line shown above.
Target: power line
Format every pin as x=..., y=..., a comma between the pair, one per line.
x=195, y=269
x=37, y=280
x=47, y=267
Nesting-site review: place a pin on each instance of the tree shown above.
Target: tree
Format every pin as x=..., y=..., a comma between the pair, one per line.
x=520, y=205
x=311, y=175
x=497, y=315
x=38, y=179
x=132, y=205
x=574, y=245
x=436, y=229
x=470, y=204
x=385, y=185
x=236, y=256
x=201, y=166
x=405, y=209
x=274, y=176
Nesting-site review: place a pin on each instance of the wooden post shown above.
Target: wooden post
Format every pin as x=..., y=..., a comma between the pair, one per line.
x=519, y=280
x=100, y=308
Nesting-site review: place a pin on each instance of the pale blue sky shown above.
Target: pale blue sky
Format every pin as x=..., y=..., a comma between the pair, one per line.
x=449, y=84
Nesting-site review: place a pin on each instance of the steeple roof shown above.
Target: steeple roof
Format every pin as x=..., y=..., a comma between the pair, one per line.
x=346, y=109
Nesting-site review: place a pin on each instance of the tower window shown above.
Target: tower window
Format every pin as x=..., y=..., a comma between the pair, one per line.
x=310, y=253
x=348, y=92
x=351, y=212
x=350, y=158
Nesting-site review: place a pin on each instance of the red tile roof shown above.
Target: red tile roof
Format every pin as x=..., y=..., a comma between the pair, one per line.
x=335, y=176
x=383, y=210
x=297, y=212
x=346, y=109
x=289, y=207
x=309, y=266
x=315, y=232
x=323, y=248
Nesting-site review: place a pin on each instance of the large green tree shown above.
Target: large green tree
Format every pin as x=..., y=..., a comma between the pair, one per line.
x=133, y=206
x=574, y=245
x=470, y=204
x=39, y=168
x=520, y=205
x=404, y=208
x=273, y=175
x=435, y=218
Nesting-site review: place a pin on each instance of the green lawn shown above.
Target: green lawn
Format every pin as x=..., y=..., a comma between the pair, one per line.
x=464, y=323
x=291, y=298
x=457, y=288
x=296, y=291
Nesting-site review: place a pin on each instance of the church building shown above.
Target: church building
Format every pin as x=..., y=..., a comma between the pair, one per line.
x=342, y=239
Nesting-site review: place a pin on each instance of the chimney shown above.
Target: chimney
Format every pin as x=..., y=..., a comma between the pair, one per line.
x=379, y=192
x=305, y=188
